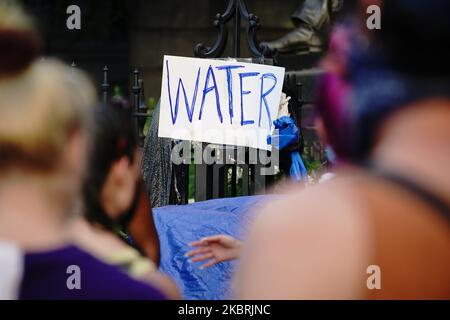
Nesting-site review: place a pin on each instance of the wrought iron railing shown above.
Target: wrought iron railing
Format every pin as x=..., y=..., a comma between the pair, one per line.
x=220, y=180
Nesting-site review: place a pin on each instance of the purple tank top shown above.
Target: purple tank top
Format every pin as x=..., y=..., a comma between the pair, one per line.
x=70, y=273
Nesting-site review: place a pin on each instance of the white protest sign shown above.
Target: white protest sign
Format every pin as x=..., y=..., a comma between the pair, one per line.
x=219, y=101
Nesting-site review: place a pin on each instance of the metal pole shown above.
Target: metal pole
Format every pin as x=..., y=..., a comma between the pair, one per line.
x=105, y=85
x=237, y=31
x=136, y=93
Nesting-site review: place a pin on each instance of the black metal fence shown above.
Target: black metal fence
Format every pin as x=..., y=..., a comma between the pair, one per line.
x=226, y=179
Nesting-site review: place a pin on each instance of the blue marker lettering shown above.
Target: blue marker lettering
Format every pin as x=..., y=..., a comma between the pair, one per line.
x=207, y=89
x=189, y=108
x=241, y=78
x=264, y=95
x=228, y=69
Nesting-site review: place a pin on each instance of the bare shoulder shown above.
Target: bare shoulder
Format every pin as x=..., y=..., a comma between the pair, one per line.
x=314, y=241
x=165, y=284
x=336, y=202
x=98, y=242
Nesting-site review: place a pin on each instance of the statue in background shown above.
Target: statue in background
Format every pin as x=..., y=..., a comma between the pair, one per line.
x=312, y=21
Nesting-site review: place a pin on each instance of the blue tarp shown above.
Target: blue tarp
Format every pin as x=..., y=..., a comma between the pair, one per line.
x=178, y=226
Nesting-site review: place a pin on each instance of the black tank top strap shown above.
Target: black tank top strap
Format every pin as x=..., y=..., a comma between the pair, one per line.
x=440, y=205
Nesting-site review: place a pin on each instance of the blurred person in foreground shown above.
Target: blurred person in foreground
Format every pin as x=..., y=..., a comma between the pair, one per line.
x=113, y=194
x=390, y=210
x=218, y=248
x=44, y=111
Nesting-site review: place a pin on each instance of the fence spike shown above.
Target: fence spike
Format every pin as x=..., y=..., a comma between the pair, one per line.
x=105, y=84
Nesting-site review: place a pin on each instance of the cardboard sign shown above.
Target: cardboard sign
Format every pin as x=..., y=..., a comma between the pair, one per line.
x=219, y=101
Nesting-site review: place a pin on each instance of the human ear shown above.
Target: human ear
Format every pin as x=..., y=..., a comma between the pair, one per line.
x=74, y=158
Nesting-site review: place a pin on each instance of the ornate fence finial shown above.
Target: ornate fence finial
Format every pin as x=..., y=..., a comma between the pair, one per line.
x=136, y=89
x=238, y=10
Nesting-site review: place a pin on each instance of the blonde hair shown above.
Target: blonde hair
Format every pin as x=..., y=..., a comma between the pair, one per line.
x=41, y=102
x=39, y=111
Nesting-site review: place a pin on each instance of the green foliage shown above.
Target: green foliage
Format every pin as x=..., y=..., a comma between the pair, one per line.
x=191, y=182
x=314, y=165
x=117, y=91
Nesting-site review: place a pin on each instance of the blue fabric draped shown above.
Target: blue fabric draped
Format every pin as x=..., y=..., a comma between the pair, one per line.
x=286, y=134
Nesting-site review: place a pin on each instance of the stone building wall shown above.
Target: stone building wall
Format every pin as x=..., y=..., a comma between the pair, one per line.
x=174, y=27
x=124, y=34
